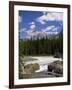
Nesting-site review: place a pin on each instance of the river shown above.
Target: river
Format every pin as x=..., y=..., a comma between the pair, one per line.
x=43, y=61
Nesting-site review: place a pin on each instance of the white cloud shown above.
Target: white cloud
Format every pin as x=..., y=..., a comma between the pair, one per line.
x=19, y=19
x=55, y=16
x=48, y=28
x=51, y=29
x=32, y=26
x=23, y=30
x=31, y=23
x=50, y=16
x=33, y=33
x=55, y=29
x=41, y=19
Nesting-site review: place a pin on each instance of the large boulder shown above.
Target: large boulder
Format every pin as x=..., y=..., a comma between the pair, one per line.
x=31, y=68
x=56, y=67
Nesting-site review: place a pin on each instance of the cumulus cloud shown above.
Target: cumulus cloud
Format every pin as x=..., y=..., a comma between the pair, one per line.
x=31, y=31
x=50, y=16
x=42, y=19
x=48, y=28
x=32, y=26
x=51, y=29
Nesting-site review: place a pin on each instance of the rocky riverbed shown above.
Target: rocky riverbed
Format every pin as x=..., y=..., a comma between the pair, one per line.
x=42, y=67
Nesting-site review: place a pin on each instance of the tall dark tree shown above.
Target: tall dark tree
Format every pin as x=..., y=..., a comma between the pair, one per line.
x=43, y=46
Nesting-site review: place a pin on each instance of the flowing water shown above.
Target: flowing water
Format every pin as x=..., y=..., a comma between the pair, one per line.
x=43, y=61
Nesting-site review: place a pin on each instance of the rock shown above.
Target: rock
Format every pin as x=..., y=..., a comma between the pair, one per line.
x=31, y=68
x=56, y=67
x=58, y=55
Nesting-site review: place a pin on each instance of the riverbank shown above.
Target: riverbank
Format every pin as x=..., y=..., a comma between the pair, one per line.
x=43, y=62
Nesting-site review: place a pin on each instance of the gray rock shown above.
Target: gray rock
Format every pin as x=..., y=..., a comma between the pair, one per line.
x=56, y=67
x=31, y=68
x=58, y=55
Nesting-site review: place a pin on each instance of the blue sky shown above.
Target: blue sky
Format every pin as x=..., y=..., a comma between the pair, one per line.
x=33, y=23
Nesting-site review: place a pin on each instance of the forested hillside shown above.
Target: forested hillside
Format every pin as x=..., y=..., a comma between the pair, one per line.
x=43, y=46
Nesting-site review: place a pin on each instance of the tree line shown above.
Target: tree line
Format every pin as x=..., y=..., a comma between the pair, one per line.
x=43, y=46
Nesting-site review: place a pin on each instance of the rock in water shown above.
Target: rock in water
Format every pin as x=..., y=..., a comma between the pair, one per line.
x=56, y=67
x=31, y=68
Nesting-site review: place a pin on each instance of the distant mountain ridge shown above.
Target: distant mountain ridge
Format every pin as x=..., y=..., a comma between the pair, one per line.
x=45, y=35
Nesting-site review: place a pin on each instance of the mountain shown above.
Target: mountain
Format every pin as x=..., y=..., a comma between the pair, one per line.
x=39, y=35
